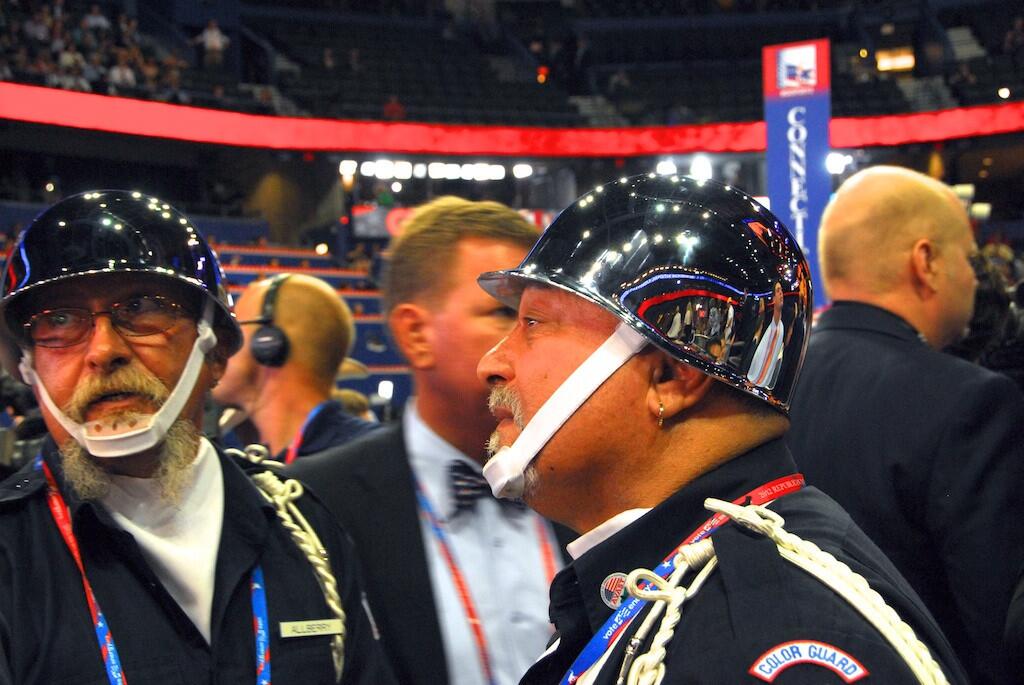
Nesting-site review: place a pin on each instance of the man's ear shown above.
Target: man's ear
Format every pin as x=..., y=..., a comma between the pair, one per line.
x=217, y=361
x=924, y=256
x=675, y=387
x=411, y=327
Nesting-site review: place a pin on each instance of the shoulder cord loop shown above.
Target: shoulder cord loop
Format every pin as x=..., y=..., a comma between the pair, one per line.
x=282, y=493
x=649, y=669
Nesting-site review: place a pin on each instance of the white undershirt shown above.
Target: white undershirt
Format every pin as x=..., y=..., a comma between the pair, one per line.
x=179, y=541
x=592, y=538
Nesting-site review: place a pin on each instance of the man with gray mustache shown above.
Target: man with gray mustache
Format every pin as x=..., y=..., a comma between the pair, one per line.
x=701, y=556
x=131, y=546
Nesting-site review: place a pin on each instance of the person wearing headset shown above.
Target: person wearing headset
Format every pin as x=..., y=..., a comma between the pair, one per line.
x=297, y=331
x=131, y=547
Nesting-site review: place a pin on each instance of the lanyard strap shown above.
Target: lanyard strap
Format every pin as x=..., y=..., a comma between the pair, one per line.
x=462, y=587
x=261, y=626
x=606, y=636
x=293, y=449
x=111, y=660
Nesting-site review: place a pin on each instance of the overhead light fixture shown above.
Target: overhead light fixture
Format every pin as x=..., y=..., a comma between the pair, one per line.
x=522, y=170
x=348, y=167
x=403, y=170
x=836, y=162
x=436, y=170
x=665, y=167
x=700, y=168
x=385, y=169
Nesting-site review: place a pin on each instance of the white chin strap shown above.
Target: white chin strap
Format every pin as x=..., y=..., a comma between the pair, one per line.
x=505, y=470
x=100, y=438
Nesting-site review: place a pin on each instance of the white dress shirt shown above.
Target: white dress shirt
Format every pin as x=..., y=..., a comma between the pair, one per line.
x=499, y=551
x=180, y=541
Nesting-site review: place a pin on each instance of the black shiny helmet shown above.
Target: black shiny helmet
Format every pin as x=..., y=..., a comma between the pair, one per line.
x=112, y=231
x=699, y=268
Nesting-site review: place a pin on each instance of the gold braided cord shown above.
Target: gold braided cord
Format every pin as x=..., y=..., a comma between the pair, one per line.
x=283, y=493
x=649, y=669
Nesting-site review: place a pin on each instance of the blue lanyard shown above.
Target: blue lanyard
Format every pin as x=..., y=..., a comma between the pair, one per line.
x=617, y=623
x=293, y=449
x=111, y=660
x=261, y=626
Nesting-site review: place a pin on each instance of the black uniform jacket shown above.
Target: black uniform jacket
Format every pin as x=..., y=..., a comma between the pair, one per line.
x=926, y=453
x=47, y=635
x=756, y=605
x=368, y=485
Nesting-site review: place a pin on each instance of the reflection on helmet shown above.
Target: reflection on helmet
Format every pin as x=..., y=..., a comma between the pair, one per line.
x=701, y=269
x=112, y=231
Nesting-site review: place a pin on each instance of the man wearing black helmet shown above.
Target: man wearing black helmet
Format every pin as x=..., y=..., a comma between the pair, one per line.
x=130, y=547
x=666, y=456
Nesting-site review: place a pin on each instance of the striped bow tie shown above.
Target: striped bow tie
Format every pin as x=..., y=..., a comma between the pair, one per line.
x=468, y=485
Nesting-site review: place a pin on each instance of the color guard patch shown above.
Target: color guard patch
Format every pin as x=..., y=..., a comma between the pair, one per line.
x=777, y=659
x=612, y=589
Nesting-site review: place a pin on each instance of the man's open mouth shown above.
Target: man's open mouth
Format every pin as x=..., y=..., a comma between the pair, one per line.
x=113, y=397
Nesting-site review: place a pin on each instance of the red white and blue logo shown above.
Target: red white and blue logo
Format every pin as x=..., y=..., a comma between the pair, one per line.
x=612, y=589
x=797, y=68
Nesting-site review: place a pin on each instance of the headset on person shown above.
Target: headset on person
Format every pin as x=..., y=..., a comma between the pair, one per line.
x=270, y=344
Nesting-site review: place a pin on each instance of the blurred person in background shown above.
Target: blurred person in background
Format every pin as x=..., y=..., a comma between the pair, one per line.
x=467, y=602
x=355, y=403
x=926, y=451
x=297, y=330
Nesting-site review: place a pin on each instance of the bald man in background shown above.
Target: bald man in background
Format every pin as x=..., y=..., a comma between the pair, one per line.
x=926, y=451
x=297, y=332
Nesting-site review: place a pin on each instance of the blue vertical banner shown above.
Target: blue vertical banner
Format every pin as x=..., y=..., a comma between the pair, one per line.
x=797, y=110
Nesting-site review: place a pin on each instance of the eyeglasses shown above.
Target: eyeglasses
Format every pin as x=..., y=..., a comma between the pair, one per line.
x=135, y=317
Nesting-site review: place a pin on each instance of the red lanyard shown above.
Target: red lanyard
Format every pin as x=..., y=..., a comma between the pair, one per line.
x=462, y=587
x=61, y=517
x=293, y=449
x=108, y=650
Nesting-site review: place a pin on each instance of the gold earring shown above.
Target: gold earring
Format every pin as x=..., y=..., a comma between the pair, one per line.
x=661, y=414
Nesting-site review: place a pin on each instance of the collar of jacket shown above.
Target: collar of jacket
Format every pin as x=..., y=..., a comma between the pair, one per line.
x=850, y=315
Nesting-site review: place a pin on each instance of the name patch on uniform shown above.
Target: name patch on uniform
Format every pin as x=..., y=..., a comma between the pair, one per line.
x=612, y=589
x=324, y=626
x=777, y=659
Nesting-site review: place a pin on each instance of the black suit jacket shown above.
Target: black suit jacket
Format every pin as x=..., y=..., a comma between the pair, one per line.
x=926, y=452
x=368, y=485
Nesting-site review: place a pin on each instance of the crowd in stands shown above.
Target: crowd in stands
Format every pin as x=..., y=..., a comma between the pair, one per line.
x=49, y=44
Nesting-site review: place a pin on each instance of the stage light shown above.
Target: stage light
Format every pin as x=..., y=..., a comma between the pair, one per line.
x=665, y=167
x=836, y=162
x=700, y=167
x=522, y=170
